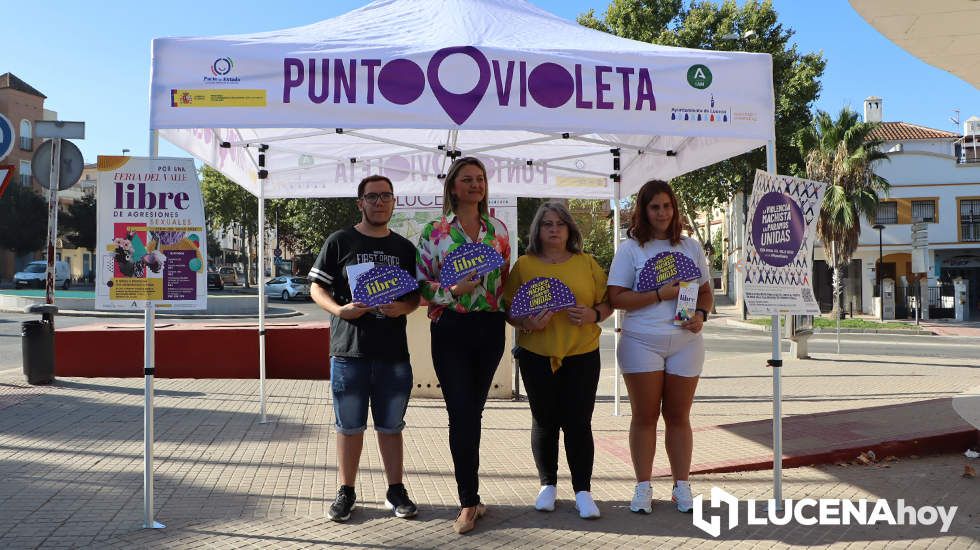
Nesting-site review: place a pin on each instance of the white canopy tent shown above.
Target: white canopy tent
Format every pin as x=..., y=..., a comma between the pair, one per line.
x=400, y=87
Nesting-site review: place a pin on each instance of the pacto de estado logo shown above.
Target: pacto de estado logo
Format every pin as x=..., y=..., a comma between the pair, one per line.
x=221, y=69
x=824, y=511
x=222, y=66
x=515, y=82
x=699, y=76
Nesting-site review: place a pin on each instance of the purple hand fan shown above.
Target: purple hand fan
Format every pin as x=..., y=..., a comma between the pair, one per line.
x=540, y=294
x=467, y=258
x=382, y=284
x=666, y=268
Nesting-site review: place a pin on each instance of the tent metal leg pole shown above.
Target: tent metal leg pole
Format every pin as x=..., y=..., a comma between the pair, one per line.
x=617, y=315
x=261, y=283
x=149, y=319
x=777, y=389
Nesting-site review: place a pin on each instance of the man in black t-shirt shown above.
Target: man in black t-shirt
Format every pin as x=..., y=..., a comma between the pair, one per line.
x=369, y=360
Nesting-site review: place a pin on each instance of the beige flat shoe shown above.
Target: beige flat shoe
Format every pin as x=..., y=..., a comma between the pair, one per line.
x=462, y=525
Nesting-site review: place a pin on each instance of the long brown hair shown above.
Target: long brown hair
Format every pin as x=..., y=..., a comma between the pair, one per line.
x=449, y=201
x=640, y=227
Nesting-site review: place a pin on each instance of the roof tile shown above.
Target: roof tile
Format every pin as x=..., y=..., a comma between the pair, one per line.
x=901, y=131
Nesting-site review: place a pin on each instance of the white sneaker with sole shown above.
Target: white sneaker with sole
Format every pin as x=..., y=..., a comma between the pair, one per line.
x=681, y=496
x=546, y=498
x=642, y=498
x=585, y=505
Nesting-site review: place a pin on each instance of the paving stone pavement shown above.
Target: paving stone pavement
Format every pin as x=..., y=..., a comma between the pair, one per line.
x=71, y=464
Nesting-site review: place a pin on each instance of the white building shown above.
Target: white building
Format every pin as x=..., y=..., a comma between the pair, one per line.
x=935, y=178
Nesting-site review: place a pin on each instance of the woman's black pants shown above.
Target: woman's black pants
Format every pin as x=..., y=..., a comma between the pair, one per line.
x=562, y=400
x=466, y=349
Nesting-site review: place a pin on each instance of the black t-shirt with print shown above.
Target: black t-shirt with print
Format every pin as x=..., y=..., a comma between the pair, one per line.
x=373, y=335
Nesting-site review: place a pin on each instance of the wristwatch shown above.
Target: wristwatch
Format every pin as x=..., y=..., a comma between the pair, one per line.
x=703, y=312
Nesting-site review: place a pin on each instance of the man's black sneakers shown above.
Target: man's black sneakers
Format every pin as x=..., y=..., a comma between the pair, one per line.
x=343, y=504
x=397, y=500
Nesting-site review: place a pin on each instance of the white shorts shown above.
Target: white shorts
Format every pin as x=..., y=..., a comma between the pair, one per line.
x=681, y=354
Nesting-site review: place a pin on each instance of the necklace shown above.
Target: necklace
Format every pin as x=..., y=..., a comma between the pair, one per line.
x=556, y=260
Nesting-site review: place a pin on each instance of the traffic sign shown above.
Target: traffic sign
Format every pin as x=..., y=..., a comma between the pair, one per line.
x=71, y=165
x=6, y=137
x=6, y=172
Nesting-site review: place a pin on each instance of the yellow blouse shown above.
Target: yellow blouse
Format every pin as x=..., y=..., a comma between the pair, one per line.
x=560, y=339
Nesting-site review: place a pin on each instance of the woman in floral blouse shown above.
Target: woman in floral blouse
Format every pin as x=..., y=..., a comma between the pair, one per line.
x=468, y=321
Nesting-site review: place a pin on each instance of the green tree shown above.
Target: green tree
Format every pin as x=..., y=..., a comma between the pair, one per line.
x=23, y=220
x=842, y=153
x=594, y=220
x=79, y=222
x=230, y=207
x=708, y=25
x=305, y=223
x=526, y=208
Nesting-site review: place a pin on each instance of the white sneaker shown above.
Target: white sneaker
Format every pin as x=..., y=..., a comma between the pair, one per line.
x=642, y=498
x=681, y=496
x=546, y=498
x=585, y=505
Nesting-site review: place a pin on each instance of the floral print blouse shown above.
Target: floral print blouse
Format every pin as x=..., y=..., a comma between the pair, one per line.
x=442, y=236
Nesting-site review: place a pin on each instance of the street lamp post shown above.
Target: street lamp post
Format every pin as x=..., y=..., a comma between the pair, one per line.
x=881, y=298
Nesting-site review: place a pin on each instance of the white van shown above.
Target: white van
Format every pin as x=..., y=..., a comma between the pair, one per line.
x=33, y=275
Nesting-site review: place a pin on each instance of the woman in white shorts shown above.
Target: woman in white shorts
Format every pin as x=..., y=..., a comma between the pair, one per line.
x=661, y=361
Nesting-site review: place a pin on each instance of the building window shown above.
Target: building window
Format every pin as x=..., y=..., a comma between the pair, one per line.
x=924, y=211
x=970, y=220
x=26, y=136
x=25, y=173
x=887, y=213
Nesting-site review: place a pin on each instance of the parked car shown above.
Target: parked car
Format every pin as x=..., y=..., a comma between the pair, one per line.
x=229, y=276
x=214, y=280
x=288, y=287
x=33, y=275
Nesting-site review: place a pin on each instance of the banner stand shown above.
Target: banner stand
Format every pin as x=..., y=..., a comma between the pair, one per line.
x=149, y=320
x=776, y=363
x=777, y=415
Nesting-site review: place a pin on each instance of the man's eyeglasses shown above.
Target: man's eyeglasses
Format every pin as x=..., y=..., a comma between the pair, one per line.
x=375, y=197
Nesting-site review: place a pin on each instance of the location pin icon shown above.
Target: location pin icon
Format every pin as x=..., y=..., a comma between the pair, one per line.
x=459, y=107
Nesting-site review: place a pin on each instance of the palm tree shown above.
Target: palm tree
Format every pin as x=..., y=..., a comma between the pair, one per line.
x=843, y=154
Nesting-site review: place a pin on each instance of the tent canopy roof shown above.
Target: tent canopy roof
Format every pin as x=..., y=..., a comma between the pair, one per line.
x=399, y=87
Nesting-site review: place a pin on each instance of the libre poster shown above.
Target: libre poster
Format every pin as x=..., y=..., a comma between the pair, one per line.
x=151, y=243
x=781, y=227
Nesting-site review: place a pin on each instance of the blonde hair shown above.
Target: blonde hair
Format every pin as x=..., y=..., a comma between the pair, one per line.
x=448, y=201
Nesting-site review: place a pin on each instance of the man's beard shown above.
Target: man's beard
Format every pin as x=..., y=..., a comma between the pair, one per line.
x=367, y=219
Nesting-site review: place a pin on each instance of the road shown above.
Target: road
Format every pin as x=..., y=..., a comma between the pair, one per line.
x=718, y=338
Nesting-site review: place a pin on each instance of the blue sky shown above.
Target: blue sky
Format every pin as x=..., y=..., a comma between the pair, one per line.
x=92, y=58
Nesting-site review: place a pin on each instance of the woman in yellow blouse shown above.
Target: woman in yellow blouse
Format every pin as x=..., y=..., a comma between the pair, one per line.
x=468, y=321
x=558, y=354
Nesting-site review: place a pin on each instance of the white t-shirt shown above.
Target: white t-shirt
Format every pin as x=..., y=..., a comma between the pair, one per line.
x=625, y=272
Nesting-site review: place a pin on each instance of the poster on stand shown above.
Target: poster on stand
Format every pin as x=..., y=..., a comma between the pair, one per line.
x=777, y=263
x=413, y=212
x=151, y=242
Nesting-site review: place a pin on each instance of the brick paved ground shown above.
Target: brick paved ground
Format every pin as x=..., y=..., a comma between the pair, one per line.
x=71, y=463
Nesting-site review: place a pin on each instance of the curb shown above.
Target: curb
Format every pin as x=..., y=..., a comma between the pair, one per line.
x=907, y=332
x=954, y=442
x=134, y=315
